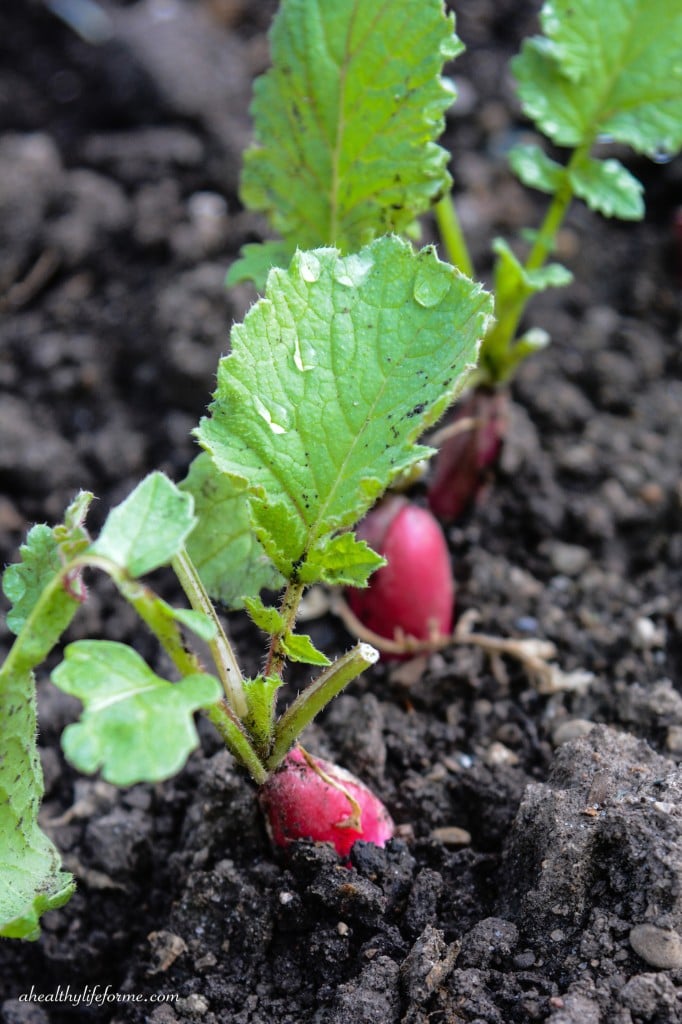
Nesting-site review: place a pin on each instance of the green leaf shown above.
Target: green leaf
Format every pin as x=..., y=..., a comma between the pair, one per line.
x=512, y=278
x=606, y=69
x=267, y=619
x=347, y=117
x=31, y=879
x=261, y=697
x=535, y=169
x=256, y=260
x=148, y=529
x=608, y=187
x=341, y=561
x=24, y=582
x=43, y=602
x=299, y=647
x=223, y=545
x=135, y=726
x=350, y=358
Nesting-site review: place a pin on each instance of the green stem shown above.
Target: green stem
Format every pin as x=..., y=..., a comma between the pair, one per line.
x=167, y=632
x=554, y=218
x=499, y=340
x=452, y=235
x=221, y=649
x=236, y=740
x=288, y=610
x=317, y=695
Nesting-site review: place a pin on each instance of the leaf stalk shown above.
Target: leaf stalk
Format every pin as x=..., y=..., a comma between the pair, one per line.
x=316, y=696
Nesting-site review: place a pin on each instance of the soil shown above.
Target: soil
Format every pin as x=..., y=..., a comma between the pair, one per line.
x=537, y=875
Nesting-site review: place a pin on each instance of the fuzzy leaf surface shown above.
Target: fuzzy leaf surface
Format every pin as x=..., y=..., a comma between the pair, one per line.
x=148, y=529
x=24, y=582
x=342, y=561
x=266, y=618
x=331, y=378
x=31, y=878
x=347, y=117
x=44, y=602
x=299, y=647
x=223, y=546
x=135, y=726
x=606, y=69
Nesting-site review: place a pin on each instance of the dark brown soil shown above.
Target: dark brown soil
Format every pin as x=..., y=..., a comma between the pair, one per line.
x=538, y=876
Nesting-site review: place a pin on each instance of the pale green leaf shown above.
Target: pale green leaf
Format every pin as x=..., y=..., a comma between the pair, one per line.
x=261, y=698
x=606, y=70
x=535, y=169
x=31, y=879
x=608, y=187
x=256, y=260
x=341, y=561
x=148, y=529
x=332, y=377
x=24, y=582
x=44, y=600
x=347, y=117
x=267, y=619
x=512, y=279
x=223, y=546
x=135, y=726
x=299, y=647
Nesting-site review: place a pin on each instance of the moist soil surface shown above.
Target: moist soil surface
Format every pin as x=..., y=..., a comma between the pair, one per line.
x=537, y=871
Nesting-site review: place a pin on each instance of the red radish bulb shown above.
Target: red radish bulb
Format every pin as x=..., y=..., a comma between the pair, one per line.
x=310, y=798
x=464, y=460
x=414, y=594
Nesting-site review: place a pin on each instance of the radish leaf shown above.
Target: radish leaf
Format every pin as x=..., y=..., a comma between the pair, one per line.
x=331, y=378
x=346, y=121
x=31, y=879
x=226, y=552
x=136, y=726
x=148, y=529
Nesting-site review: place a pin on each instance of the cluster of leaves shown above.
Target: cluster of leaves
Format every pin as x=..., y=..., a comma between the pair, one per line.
x=332, y=377
x=341, y=119
x=357, y=346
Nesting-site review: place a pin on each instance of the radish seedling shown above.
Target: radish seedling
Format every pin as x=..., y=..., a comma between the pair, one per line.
x=330, y=380
x=358, y=345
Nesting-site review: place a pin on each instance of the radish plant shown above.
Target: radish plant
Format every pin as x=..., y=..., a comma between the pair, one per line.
x=330, y=380
x=336, y=158
x=358, y=345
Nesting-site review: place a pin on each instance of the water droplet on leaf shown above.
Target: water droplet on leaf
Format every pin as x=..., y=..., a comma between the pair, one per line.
x=431, y=284
x=352, y=271
x=309, y=266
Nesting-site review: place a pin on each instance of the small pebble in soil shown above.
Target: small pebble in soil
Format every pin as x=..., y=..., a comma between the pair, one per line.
x=659, y=947
x=451, y=835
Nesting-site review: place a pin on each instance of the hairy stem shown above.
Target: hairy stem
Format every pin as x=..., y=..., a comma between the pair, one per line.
x=236, y=740
x=288, y=610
